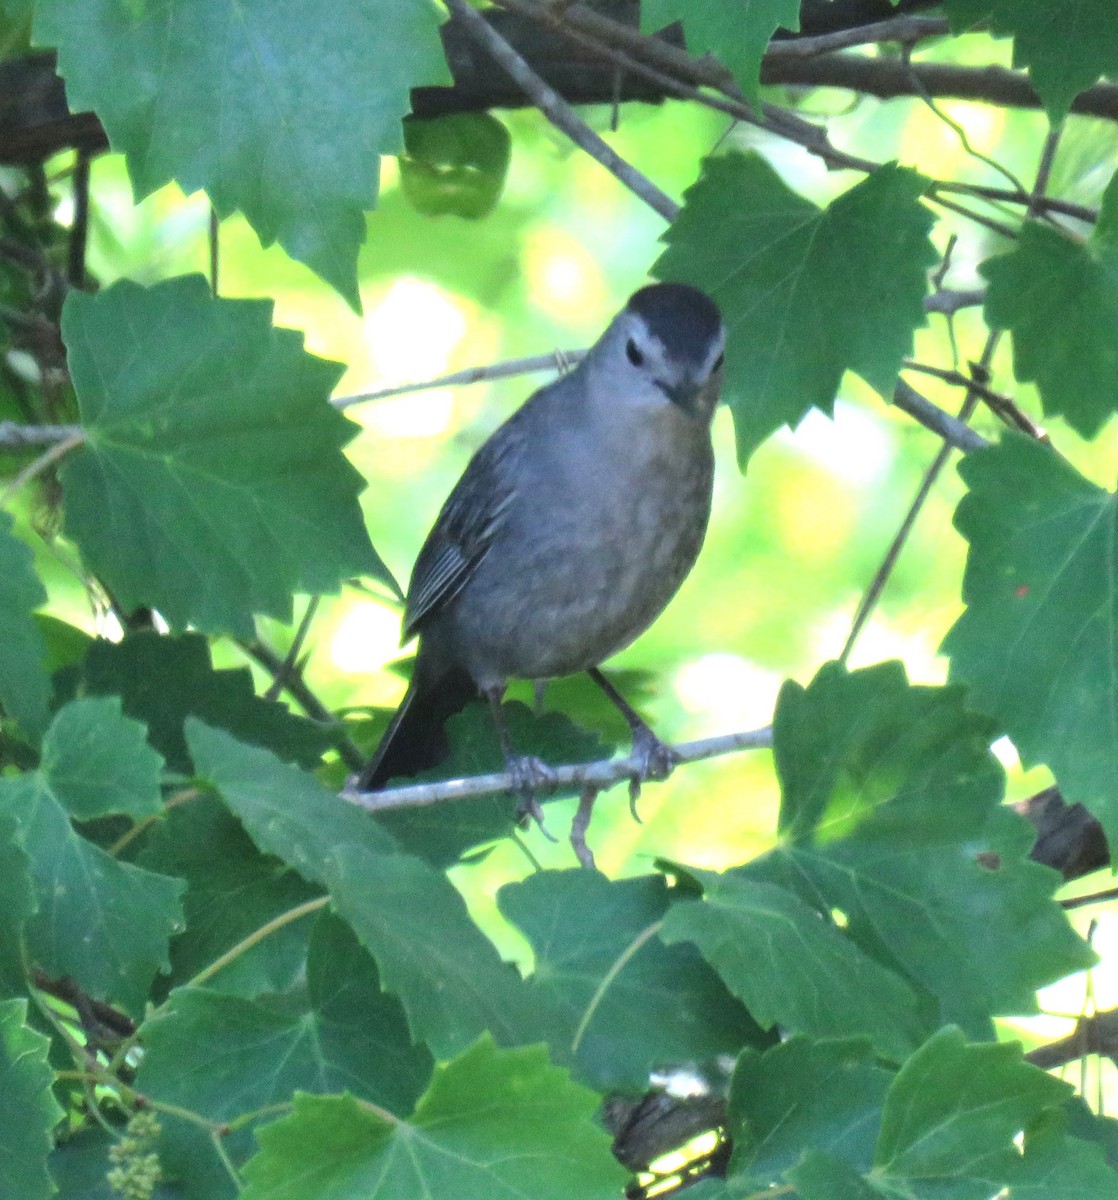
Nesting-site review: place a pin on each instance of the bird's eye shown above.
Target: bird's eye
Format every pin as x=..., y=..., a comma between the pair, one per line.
x=719, y=363
x=633, y=354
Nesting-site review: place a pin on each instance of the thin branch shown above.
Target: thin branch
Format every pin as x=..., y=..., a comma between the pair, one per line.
x=998, y=403
x=932, y=417
x=602, y=775
x=257, y=936
x=42, y=463
x=558, y=360
x=1080, y=212
x=948, y=302
x=1006, y=231
x=14, y=436
x=560, y=113
x=906, y=30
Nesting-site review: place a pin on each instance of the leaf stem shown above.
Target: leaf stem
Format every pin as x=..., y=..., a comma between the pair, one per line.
x=616, y=967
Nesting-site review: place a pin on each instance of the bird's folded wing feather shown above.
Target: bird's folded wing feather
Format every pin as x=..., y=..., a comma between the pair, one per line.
x=466, y=526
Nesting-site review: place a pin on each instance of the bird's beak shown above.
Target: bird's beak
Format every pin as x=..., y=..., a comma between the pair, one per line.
x=691, y=395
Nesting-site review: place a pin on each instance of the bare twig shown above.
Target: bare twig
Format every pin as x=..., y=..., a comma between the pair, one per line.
x=560, y=113
x=45, y=460
x=932, y=417
x=599, y=775
x=997, y=402
x=14, y=436
x=906, y=30
x=556, y=361
x=949, y=302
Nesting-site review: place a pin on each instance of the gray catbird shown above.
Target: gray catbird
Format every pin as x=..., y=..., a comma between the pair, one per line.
x=571, y=528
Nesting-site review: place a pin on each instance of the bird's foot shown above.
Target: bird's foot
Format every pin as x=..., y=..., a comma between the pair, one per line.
x=530, y=775
x=655, y=762
x=581, y=823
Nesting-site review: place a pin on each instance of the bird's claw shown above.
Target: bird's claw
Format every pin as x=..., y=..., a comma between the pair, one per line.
x=530, y=775
x=655, y=762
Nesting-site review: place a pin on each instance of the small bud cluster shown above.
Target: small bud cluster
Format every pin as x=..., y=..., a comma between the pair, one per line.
x=136, y=1170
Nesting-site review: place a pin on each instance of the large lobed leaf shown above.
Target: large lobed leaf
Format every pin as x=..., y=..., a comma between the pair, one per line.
x=823, y=1118
x=627, y=1003
x=806, y=293
x=212, y=484
x=1066, y=44
x=28, y=1110
x=269, y=107
x=1059, y=296
x=105, y=923
x=737, y=32
x=1037, y=643
x=891, y=815
x=447, y=974
x=534, y=1134
x=24, y=684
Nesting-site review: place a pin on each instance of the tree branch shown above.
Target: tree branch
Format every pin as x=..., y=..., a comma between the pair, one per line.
x=559, y=112
x=600, y=775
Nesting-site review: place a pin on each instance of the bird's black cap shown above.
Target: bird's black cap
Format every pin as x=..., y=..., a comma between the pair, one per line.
x=682, y=318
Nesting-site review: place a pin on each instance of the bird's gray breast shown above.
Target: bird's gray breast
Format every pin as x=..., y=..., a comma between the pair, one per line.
x=601, y=529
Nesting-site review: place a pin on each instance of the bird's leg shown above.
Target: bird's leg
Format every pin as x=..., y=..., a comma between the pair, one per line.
x=656, y=758
x=528, y=772
x=581, y=824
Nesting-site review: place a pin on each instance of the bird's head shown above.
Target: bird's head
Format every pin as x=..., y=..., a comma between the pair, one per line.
x=665, y=346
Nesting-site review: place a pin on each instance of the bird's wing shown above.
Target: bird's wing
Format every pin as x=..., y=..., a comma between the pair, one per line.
x=465, y=528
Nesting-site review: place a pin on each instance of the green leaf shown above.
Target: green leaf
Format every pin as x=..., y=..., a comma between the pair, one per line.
x=534, y=1135
x=209, y=439
x=17, y=903
x=1037, y=644
x=661, y=1005
x=232, y=890
x=801, y=1096
x=954, y=1109
x=24, y=684
x=891, y=815
x=455, y=164
x=105, y=923
x=737, y=32
x=163, y=679
x=1057, y=1167
x=97, y=762
x=28, y=1110
x=448, y=975
x=243, y=111
x=806, y=294
x=1066, y=44
x=791, y=968
x=1059, y=296
x=223, y=1056
x=825, y=1177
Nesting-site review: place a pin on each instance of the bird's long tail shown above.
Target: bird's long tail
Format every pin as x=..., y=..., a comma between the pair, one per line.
x=416, y=739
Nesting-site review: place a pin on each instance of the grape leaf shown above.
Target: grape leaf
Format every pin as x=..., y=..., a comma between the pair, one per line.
x=1057, y=1167
x=663, y=1007
x=163, y=679
x=954, y=1110
x=806, y=294
x=28, y=1110
x=737, y=32
x=24, y=684
x=212, y=484
x=802, y=1095
x=1037, y=644
x=224, y=1056
x=448, y=975
x=1066, y=44
x=891, y=814
x=822, y=1176
x=243, y=110
x=103, y=922
x=534, y=1135
x=17, y=903
x=789, y=967
x=1059, y=296
x=97, y=761
x=229, y=895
